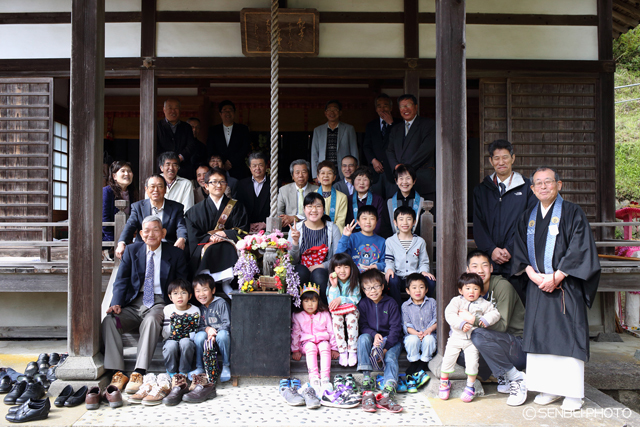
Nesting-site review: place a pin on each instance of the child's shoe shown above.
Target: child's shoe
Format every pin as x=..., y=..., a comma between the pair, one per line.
x=340, y=398
x=344, y=359
x=226, y=374
x=385, y=400
x=368, y=384
x=402, y=383
x=351, y=382
x=421, y=378
x=310, y=397
x=325, y=384
x=353, y=359
x=315, y=383
x=338, y=380
x=159, y=391
x=411, y=384
x=368, y=401
x=148, y=382
x=468, y=394
x=195, y=372
x=380, y=382
x=445, y=389
x=290, y=395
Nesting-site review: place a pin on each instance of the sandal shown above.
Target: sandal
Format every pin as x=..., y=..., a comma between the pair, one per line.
x=468, y=394
x=444, y=391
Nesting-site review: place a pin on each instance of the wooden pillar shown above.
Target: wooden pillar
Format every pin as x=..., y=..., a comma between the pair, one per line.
x=148, y=83
x=451, y=154
x=86, y=129
x=606, y=147
x=411, y=48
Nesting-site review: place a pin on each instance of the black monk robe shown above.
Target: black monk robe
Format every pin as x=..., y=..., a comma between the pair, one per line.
x=553, y=325
x=201, y=219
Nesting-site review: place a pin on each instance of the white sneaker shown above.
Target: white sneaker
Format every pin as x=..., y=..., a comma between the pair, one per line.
x=315, y=383
x=517, y=393
x=546, y=398
x=571, y=404
x=503, y=385
x=325, y=385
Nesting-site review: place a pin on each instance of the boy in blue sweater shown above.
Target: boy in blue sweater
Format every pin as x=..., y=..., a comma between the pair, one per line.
x=380, y=340
x=365, y=247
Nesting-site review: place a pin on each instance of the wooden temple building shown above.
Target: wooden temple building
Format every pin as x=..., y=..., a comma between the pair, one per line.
x=78, y=77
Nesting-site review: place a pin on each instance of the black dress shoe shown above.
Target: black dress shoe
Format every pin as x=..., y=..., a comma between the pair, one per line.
x=32, y=411
x=51, y=373
x=77, y=398
x=17, y=391
x=34, y=391
x=15, y=409
x=44, y=357
x=5, y=384
x=43, y=379
x=64, y=395
x=43, y=367
x=32, y=369
x=54, y=359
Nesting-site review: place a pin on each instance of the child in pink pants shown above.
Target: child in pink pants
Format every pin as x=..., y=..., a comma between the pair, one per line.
x=312, y=333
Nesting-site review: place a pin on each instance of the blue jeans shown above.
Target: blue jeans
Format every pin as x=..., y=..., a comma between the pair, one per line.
x=365, y=343
x=178, y=355
x=222, y=339
x=420, y=349
x=397, y=284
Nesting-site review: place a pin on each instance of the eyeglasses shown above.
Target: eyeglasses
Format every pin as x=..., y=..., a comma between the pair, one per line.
x=314, y=207
x=372, y=288
x=545, y=183
x=214, y=183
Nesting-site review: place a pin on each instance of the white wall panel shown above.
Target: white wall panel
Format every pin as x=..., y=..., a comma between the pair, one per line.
x=11, y=6
x=23, y=41
x=544, y=7
x=361, y=40
x=349, y=5
x=122, y=40
x=427, y=43
x=198, y=39
x=123, y=5
x=211, y=5
x=532, y=42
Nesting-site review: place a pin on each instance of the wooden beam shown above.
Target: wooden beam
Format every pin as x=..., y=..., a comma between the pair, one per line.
x=530, y=19
x=85, y=176
x=632, y=22
x=62, y=17
x=451, y=153
x=411, y=29
x=412, y=83
x=619, y=28
x=625, y=7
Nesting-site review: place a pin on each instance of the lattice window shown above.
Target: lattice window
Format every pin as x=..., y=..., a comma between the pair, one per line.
x=60, y=166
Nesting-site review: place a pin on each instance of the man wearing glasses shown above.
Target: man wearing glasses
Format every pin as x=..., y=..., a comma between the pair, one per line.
x=556, y=258
x=212, y=225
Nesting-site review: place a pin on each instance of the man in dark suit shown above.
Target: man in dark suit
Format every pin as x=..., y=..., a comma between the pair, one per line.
x=176, y=136
x=140, y=294
x=376, y=141
x=254, y=193
x=170, y=213
x=414, y=143
x=230, y=140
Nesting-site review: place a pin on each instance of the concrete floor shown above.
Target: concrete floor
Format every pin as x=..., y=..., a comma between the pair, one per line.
x=256, y=401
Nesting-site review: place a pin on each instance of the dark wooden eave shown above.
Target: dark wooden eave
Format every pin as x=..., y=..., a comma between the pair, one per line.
x=625, y=15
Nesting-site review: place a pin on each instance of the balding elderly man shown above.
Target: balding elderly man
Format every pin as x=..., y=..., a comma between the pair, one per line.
x=139, y=297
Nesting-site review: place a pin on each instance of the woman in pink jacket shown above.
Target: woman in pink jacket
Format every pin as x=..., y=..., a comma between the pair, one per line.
x=312, y=333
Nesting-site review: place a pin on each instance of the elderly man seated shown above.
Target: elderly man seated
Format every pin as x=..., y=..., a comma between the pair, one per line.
x=139, y=297
x=170, y=213
x=212, y=225
x=291, y=196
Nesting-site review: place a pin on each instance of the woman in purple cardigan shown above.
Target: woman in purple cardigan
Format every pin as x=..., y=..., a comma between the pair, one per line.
x=118, y=188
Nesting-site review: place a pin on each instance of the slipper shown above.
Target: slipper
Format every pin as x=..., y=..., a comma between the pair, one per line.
x=444, y=391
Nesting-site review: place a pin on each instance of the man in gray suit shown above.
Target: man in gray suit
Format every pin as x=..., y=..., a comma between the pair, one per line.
x=349, y=166
x=291, y=196
x=140, y=294
x=333, y=140
x=413, y=142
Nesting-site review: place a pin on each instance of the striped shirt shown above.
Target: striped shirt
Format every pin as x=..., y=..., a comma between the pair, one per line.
x=311, y=238
x=406, y=244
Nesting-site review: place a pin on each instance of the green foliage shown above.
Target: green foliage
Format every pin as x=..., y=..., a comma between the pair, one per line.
x=628, y=171
x=626, y=50
x=627, y=134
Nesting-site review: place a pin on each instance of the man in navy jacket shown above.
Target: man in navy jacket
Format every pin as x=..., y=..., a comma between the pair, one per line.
x=498, y=202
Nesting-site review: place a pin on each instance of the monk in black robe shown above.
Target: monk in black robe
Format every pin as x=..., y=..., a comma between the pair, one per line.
x=556, y=329
x=213, y=226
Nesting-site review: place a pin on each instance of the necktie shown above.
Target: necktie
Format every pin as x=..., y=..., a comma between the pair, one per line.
x=156, y=210
x=147, y=296
x=406, y=129
x=300, y=200
x=384, y=129
x=503, y=189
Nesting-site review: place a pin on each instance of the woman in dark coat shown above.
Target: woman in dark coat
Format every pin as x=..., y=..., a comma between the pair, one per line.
x=118, y=188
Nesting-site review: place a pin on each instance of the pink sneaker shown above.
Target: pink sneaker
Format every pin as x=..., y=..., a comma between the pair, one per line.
x=445, y=389
x=468, y=394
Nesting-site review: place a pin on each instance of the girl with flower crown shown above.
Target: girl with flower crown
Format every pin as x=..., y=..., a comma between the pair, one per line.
x=312, y=334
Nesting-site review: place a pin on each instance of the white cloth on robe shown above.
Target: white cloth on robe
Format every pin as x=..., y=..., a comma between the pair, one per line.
x=559, y=375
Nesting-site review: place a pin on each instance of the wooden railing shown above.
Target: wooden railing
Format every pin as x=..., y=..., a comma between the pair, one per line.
x=45, y=246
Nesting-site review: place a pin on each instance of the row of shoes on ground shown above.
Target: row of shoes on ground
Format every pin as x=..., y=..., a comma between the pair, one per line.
x=344, y=394
x=90, y=396
x=31, y=410
x=25, y=388
x=157, y=389
x=44, y=362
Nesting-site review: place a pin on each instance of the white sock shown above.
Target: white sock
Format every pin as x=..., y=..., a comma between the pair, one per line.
x=513, y=374
x=470, y=383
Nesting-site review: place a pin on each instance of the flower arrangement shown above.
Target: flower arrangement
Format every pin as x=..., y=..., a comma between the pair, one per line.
x=246, y=268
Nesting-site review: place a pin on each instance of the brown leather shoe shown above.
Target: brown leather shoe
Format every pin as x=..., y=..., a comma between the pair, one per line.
x=92, y=401
x=200, y=379
x=113, y=396
x=134, y=383
x=201, y=393
x=119, y=380
x=176, y=394
x=177, y=380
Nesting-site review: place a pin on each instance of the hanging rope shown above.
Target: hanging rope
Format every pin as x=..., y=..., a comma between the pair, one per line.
x=275, y=35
